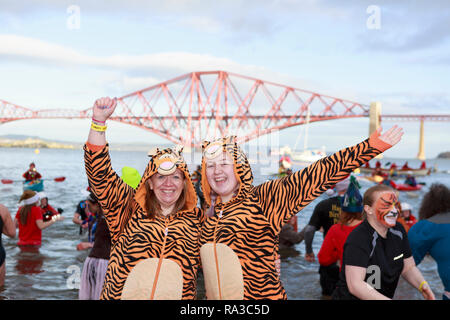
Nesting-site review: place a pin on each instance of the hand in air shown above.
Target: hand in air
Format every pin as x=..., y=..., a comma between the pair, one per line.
x=103, y=108
x=391, y=136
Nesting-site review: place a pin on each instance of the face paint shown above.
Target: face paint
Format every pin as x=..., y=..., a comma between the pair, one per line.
x=386, y=209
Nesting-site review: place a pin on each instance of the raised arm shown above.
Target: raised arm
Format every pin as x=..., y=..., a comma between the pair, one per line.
x=284, y=197
x=113, y=194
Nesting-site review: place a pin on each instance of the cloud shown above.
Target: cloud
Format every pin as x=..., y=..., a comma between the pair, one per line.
x=162, y=66
x=21, y=48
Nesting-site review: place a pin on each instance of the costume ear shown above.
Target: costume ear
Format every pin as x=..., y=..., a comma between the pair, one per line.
x=153, y=151
x=178, y=149
x=205, y=144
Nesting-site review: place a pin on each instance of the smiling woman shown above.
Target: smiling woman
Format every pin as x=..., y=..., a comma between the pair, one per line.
x=154, y=228
x=377, y=253
x=240, y=238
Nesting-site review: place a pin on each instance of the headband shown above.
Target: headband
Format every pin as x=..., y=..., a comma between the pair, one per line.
x=31, y=200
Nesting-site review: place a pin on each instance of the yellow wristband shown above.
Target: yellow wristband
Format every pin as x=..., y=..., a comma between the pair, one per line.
x=421, y=285
x=96, y=127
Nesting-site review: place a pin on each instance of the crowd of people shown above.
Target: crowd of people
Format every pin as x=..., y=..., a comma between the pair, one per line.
x=152, y=239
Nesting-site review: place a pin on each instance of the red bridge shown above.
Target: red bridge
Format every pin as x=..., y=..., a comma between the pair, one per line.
x=199, y=105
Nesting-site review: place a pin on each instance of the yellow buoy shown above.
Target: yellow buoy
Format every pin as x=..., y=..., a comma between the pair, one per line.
x=36, y=151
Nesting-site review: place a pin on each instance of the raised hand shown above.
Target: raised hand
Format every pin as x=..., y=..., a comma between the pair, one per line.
x=392, y=136
x=103, y=108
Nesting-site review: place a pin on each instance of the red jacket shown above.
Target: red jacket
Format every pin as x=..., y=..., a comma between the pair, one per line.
x=29, y=233
x=31, y=175
x=332, y=248
x=48, y=212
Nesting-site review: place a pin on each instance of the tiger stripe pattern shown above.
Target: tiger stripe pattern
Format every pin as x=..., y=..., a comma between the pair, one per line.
x=251, y=221
x=136, y=237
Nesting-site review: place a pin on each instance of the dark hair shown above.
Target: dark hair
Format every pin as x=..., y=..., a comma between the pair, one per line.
x=92, y=198
x=436, y=200
x=347, y=217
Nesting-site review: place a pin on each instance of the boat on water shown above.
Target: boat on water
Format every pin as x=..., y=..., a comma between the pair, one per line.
x=306, y=155
x=35, y=185
x=400, y=172
x=404, y=186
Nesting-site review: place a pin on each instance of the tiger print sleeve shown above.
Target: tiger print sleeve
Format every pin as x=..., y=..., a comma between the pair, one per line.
x=282, y=198
x=112, y=193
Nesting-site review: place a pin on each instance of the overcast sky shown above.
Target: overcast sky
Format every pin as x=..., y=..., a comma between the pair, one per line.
x=65, y=54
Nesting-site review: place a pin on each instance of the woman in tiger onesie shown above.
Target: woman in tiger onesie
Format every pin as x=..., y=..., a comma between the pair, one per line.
x=154, y=229
x=239, y=240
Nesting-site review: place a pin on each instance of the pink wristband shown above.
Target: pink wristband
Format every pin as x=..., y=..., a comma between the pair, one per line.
x=98, y=121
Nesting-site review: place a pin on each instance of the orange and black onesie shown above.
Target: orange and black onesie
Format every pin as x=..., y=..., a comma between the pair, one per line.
x=150, y=258
x=239, y=241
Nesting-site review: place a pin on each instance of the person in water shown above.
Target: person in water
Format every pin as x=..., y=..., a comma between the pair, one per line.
x=31, y=174
x=29, y=220
x=95, y=265
x=332, y=247
x=326, y=214
x=406, y=218
x=377, y=253
x=7, y=228
x=432, y=233
x=154, y=228
x=238, y=243
x=47, y=210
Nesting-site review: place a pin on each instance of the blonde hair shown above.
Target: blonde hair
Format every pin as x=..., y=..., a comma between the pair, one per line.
x=25, y=210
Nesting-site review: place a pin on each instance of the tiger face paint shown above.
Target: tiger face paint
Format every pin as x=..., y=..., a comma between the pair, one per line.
x=387, y=209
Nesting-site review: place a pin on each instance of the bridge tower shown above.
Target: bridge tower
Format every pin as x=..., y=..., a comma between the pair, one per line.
x=374, y=116
x=421, y=154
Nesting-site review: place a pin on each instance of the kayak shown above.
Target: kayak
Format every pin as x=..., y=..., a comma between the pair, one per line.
x=407, y=187
x=36, y=185
x=400, y=172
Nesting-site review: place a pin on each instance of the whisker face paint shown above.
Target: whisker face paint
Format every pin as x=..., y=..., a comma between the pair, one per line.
x=387, y=209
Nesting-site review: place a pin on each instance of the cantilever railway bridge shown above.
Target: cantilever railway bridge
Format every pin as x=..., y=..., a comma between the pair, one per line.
x=198, y=105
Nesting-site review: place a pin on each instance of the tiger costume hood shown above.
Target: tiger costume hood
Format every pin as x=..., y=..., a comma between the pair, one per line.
x=242, y=169
x=165, y=162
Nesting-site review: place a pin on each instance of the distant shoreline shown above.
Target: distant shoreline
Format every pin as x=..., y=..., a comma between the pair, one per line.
x=35, y=143
x=18, y=141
